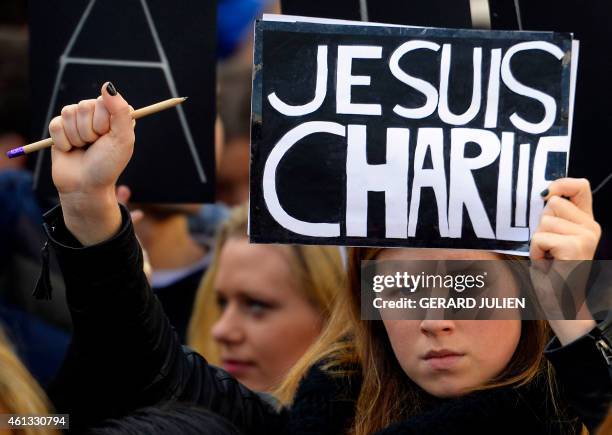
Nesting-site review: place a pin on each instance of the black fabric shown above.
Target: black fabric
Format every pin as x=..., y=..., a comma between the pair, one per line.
x=177, y=300
x=43, y=289
x=125, y=355
x=168, y=419
x=587, y=380
x=497, y=411
x=590, y=23
x=323, y=404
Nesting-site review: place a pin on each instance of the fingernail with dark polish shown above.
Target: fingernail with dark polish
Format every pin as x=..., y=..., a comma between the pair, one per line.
x=110, y=88
x=544, y=193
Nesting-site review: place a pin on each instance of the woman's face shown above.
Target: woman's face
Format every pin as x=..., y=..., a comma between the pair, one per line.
x=448, y=358
x=266, y=323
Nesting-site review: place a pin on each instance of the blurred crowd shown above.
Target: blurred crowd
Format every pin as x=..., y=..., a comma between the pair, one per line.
x=179, y=239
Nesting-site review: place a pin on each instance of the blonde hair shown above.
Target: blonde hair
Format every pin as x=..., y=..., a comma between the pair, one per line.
x=318, y=271
x=19, y=392
x=362, y=346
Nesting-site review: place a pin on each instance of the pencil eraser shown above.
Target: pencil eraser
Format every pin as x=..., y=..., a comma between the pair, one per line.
x=15, y=153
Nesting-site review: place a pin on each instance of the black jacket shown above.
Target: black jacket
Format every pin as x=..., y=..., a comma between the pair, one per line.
x=125, y=355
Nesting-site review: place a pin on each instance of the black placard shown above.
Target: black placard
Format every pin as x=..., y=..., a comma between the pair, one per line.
x=151, y=51
x=356, y=162
x=435, y=13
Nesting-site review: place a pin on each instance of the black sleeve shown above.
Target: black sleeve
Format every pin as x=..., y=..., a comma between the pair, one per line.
x=584, y=374
x=499, y=411
x=124, y=354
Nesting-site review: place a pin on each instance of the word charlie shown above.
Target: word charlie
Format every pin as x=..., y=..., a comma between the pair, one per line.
x=392, y=177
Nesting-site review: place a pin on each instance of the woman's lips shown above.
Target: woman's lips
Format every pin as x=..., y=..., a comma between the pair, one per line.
x=237, y=367
x=442, y=359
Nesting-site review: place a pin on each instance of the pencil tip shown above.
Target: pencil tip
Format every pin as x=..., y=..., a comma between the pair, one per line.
x=185, y=98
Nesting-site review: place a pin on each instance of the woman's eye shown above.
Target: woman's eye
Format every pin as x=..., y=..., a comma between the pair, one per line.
x=221, y=302
x=256, y=307
x=392, y=293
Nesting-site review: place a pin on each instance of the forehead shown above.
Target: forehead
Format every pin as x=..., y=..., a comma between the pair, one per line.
x=251, y=266
x=436, y=254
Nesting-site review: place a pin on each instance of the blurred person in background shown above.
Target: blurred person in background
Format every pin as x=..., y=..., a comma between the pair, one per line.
x=177, y=237
x=235, y=41
x=16, y=194
x=260, y=307
x=19, y=392
x=178, y=256
x=177, y=260
x=38, y=329
x=232, y=179
x=235, y=26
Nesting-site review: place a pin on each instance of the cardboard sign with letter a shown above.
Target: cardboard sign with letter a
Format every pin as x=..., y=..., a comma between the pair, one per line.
x=150, y=51
x=373, y=135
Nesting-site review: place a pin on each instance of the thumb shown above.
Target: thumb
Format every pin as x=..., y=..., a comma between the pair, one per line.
x=118, y=108
x=123, y=194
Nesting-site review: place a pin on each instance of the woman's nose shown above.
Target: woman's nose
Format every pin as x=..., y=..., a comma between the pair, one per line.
x=437, y=327
x=228, y=328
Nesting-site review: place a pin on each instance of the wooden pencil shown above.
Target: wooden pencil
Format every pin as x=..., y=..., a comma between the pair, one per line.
x=136, y=114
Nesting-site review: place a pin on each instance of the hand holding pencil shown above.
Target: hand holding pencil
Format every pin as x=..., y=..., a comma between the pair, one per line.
x=136, y=114
x=85, y=177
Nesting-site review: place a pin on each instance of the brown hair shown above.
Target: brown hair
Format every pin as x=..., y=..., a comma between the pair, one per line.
x=318, y=271
x=606, y=426
x=386, y=390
